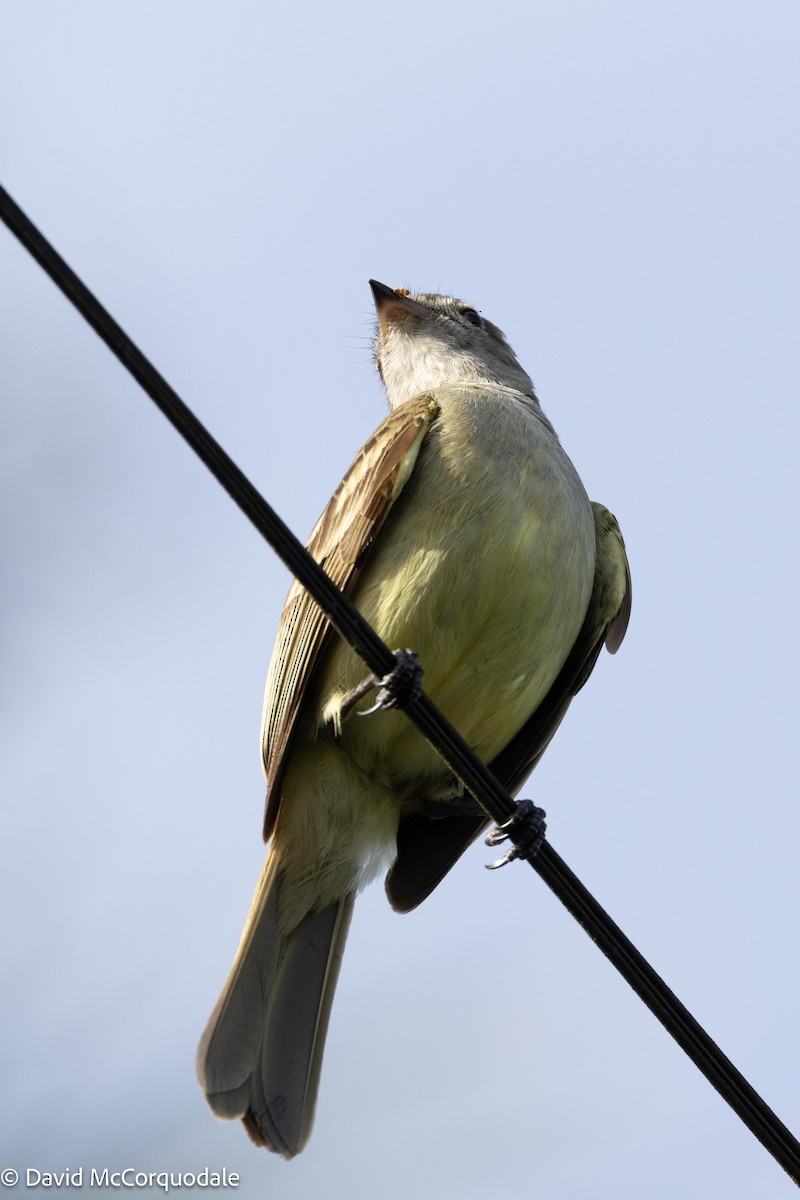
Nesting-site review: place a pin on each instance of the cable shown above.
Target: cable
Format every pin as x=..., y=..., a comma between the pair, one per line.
x=475, y=775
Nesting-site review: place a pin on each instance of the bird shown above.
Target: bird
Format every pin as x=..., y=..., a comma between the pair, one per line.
x=463, y=530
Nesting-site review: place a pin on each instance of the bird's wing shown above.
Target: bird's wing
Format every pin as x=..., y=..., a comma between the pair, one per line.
x=605, y=623
x=426, y=848
x=340, y=542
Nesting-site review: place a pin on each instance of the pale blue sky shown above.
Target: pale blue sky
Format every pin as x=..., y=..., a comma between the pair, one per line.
x=615, y=185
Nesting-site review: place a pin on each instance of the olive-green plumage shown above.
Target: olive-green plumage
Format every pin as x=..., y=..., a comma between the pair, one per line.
x=462, y=530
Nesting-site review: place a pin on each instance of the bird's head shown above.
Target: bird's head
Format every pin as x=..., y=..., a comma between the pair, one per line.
x=426, y=341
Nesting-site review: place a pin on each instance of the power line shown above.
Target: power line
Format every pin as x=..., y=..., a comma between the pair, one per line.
x=475, y=775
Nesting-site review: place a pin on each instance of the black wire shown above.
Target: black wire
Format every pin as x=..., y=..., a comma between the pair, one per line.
x=476, y=776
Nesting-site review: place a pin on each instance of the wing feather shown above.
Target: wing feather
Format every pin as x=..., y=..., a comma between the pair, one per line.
x=340, y=542
x=426, y=848
x=608, y=613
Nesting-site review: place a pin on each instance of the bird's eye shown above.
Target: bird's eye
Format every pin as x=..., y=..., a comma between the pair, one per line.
x=473, y=317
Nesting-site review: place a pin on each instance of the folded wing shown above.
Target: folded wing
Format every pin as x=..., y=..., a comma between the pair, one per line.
x=427, y=848
x=340, y=543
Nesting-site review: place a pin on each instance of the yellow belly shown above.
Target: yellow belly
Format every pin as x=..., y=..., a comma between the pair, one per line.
x=485, y=568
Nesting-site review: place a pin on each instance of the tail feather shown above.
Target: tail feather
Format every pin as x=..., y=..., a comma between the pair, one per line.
x=261, y=1052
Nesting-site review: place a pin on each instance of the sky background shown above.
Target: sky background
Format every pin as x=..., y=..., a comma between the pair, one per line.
x=616, y=185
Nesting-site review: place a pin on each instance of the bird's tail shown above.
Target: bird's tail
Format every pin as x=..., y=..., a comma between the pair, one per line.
x=260, y=1055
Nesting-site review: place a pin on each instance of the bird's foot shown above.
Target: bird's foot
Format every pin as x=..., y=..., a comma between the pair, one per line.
x=402, y=685
x=526, y=827
x=397, y=689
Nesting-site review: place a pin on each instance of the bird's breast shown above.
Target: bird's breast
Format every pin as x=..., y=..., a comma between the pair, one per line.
x=485, y=568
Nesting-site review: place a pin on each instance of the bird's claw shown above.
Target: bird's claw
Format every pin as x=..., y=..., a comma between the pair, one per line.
x=526, y=827
x=397, y=689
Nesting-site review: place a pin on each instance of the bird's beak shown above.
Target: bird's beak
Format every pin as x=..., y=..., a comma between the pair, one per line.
x=391, y=304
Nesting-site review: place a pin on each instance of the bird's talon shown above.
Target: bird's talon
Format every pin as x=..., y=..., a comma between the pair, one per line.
x=526, y=828
x=508, y=857
x=400, y=687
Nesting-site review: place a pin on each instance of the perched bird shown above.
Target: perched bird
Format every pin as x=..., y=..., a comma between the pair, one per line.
x=461, y=530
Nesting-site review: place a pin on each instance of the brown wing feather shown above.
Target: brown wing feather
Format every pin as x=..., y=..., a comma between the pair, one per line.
x=426, y=848
x=340, y=542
